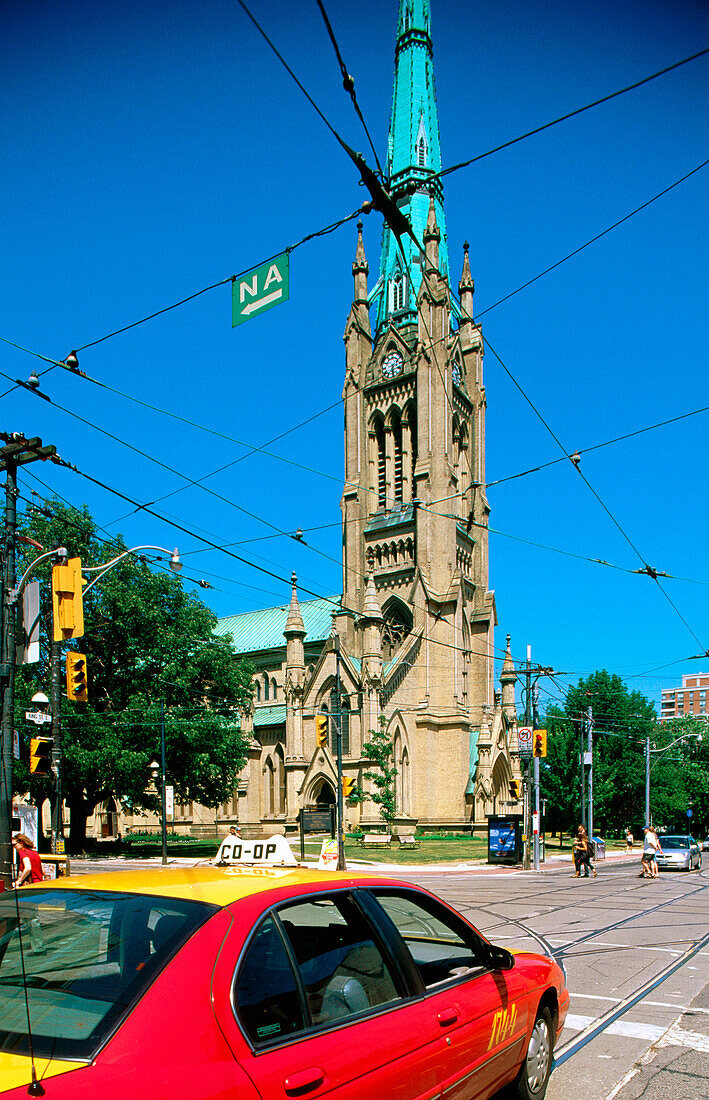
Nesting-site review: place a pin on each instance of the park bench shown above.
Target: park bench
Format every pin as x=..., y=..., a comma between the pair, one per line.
x=408, y=842
x=376, y=840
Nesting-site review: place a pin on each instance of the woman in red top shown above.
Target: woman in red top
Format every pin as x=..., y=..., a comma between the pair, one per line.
x=28, y=859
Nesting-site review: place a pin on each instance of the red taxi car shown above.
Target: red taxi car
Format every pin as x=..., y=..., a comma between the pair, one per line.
x=262, y=983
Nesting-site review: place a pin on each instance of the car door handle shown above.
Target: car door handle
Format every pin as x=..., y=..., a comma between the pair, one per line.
x=447, y=1016
x=303, y=1081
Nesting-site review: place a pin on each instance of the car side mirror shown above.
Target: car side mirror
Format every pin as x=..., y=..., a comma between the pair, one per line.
x=499, y=958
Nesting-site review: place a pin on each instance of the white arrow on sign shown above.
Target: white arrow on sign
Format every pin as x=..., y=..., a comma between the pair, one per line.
x=253, y=306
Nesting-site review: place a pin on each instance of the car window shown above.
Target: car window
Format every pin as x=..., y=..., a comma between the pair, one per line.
x=443, y=947
x=82, y=958
x=675, y=842
x=266, y=990
x=342, y=968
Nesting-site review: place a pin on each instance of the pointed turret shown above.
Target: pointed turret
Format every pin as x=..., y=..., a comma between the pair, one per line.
x=360, y=270
x=466, y=288
x=413, y=164
x=432, y=237
x=294, y=622
x=508, y=679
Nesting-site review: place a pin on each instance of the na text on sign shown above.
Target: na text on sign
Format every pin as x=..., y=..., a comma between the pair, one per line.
x=258, y=290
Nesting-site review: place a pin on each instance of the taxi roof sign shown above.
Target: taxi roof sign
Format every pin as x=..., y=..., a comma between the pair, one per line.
x=271, y=851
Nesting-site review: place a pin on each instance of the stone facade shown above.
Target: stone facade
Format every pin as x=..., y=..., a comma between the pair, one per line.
x=416, y=617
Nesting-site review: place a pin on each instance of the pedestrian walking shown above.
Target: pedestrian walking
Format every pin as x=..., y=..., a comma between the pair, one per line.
x=629, y=840
x=651, y=849
x=583, y=854
x=28, y=859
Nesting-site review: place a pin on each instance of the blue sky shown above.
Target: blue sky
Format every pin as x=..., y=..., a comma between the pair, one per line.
x=157, y=148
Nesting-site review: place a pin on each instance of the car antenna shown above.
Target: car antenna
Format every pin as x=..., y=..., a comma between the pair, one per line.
x=35, y=1087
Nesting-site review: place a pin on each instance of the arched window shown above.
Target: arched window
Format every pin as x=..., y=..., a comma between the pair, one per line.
x=280, y=784
x=398, y=457
x=269, y=775
x=381, y=463
x=397, y=627
x=413, y=442
x=257, y=685
x=421, y=152
x=265, y=687
x=274, y=690
x=398, y=292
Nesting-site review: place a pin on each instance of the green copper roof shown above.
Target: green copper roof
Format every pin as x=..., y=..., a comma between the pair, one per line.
x=269, y=716
x=255, y=631
x=414, y=156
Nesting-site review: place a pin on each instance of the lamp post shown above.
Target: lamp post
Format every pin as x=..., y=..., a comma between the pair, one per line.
x=658, y=753
x=158, y=771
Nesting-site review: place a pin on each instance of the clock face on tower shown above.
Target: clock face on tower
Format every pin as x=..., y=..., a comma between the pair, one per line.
x=392, y=365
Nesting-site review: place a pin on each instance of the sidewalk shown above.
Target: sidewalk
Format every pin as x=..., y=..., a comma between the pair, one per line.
x=557, y=863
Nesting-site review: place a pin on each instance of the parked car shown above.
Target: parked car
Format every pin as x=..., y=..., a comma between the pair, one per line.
x=679, y=853
x=223, y=981
x=705, y=844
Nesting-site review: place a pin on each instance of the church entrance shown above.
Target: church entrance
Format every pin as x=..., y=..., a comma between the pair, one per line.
x=323, y=795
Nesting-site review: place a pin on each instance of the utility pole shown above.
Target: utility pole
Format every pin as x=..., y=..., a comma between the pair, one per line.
x=56, y=713
x=341, y=865
x=526, y=773
x=17, y=451
x=589, y=756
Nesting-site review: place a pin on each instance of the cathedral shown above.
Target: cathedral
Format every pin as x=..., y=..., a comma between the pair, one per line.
x=408, y=646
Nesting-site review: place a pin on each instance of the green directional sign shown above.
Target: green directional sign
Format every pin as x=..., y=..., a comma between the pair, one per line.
x=258, y=290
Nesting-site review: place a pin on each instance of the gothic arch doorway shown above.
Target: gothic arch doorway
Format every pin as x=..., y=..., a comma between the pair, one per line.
x=322, y=795
x=501, y=775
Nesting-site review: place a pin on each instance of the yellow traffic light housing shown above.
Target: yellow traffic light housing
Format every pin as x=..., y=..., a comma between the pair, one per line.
x=41, y=755
x=540, y=742
x=68, y=600
x=514, y=790
x=321, y=730
x=77, y=685
x=348, y=786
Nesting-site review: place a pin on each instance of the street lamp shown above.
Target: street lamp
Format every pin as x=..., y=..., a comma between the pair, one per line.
x=658, y=753
x=175, y=563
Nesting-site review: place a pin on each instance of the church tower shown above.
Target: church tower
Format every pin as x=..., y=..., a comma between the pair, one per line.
x=414, y=509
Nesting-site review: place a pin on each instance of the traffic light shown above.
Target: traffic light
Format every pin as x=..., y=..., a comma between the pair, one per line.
x=321, y=730
x=348, y=786
x=41, y=755
x=77, y=686
x=540, y=742
x=68, y=600
x=514, y=790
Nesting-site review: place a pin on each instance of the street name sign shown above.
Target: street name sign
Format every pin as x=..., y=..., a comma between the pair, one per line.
x=258, y=290
x=37, y=716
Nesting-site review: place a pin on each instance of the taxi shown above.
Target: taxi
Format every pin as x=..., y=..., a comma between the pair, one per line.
x=262, y=981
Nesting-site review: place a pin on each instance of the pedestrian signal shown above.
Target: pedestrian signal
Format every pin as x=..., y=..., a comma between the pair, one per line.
x=77, y=686
x=514, y=790
x=348, y=786
x=68, y=600
x=321, y=730
x=41, y=755
x=540, y=742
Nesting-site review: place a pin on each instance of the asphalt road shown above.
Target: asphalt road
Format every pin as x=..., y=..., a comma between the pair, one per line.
x=614, y=934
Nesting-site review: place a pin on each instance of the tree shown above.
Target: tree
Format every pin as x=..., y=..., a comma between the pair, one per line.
x=622, y=719
x=380, y=750
x=679, y=775
x=148, y=643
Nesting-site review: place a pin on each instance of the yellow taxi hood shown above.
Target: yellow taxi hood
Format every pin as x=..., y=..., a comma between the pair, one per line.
x=214, y=885
x=16, y=1070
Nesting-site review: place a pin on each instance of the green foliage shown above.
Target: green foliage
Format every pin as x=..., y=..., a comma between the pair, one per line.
x=146, y=640
x=380, y=750
x=623, y=720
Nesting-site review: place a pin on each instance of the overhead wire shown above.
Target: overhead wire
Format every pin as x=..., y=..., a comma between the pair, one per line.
x=571, y=114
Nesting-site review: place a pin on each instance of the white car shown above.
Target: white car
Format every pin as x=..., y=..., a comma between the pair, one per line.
x=679, y=853
x=705, y=844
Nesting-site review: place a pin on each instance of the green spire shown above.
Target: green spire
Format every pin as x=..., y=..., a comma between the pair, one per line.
x=413, y=157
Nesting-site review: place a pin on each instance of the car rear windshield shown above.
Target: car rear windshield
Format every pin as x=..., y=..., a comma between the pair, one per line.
x=82, y=958
x=674, y=842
